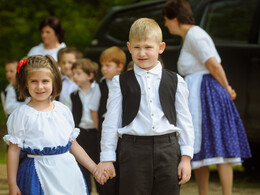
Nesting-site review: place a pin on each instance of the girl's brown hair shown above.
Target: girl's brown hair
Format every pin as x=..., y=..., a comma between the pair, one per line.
x=179, y=9
x=33, y=63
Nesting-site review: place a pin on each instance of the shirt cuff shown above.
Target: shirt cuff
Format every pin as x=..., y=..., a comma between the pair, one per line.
x=187, y=150
x=107, y=156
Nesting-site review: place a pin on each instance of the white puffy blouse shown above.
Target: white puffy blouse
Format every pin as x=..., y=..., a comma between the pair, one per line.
x=28, y=127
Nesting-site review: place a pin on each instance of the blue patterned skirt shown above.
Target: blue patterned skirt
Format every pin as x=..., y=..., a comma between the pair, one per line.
x=223, y=134
x=27, y=178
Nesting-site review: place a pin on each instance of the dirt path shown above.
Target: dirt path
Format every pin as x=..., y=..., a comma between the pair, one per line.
x=187, y=189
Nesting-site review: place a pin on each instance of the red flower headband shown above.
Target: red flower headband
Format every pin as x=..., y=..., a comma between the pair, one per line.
x=20, y=64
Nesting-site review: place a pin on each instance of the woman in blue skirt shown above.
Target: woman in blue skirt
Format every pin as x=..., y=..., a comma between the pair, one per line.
x=220, y=138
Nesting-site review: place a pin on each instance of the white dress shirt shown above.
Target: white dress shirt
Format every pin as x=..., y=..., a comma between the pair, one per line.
x=68, y=86
x=10, y=101
x=86, y=119
x=150, y=119
x=94, y=103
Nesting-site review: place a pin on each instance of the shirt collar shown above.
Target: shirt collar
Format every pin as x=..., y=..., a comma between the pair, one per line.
x=157, y=70
x=92, y=86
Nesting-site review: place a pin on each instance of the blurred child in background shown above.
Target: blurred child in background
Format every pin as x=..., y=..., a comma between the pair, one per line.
x=113, y=61
x=66, y=57
x=84, y=74
x=9, y=97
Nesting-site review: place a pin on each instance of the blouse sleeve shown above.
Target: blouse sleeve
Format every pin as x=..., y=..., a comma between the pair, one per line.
x=16, y=130
x=75, y=131
x=203, y=47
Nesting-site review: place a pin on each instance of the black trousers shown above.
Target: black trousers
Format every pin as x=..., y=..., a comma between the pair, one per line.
x=88, y=139
x=149, y=165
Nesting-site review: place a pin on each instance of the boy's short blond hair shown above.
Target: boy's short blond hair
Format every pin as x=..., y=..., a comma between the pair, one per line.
x=87, y=65
x=113, y=54
x=144, y=29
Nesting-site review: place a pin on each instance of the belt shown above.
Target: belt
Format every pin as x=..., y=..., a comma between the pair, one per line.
x=149, y=139
x=87, y=130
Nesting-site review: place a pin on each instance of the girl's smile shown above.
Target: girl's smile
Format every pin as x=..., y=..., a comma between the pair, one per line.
x=40, y=84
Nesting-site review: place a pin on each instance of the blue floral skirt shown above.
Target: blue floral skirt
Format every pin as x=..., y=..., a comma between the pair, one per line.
x=27, y=178
x=223, y=134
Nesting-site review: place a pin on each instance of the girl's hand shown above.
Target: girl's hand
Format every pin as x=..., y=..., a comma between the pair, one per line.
x=232, y=93
x=103, y=171
x=14, y=190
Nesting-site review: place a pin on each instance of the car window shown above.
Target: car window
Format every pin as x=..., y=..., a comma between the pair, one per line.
x=119, y=28
x=229, y=20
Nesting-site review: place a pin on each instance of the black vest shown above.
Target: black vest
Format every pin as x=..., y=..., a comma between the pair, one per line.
x=131, y=92
x=103, y=102
x=76, y=107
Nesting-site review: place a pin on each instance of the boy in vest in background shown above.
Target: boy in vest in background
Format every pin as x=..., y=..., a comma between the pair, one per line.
x=148, y=108
x=84, y=74
x=10, y=100
x=112, y=60
x=66, y=57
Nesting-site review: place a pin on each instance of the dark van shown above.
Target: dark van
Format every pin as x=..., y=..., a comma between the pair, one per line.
x=234, y=26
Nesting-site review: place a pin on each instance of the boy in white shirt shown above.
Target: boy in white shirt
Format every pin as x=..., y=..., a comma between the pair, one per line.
x=84, y=74
x=148, y=108
x=66, y=57
x=10, y=100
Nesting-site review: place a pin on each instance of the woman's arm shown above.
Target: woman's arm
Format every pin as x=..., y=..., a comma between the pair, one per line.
x=217, y=71
x=12, y=167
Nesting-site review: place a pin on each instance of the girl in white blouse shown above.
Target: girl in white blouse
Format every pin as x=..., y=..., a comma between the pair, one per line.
x=43, y=133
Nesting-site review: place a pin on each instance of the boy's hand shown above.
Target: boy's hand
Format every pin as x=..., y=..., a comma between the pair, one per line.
x=184, y=169
x=103, y=171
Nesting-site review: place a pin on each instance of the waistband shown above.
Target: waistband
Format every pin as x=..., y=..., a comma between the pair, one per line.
x=149, y=139
x=45, y=156
x=87, y=130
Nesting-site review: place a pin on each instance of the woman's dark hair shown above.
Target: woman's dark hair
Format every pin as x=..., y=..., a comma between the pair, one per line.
x=179, y=9
x=32, y=64
x=55, y=24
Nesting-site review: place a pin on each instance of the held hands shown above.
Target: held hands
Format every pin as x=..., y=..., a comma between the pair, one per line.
x=104, y=171
x=184, y=169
